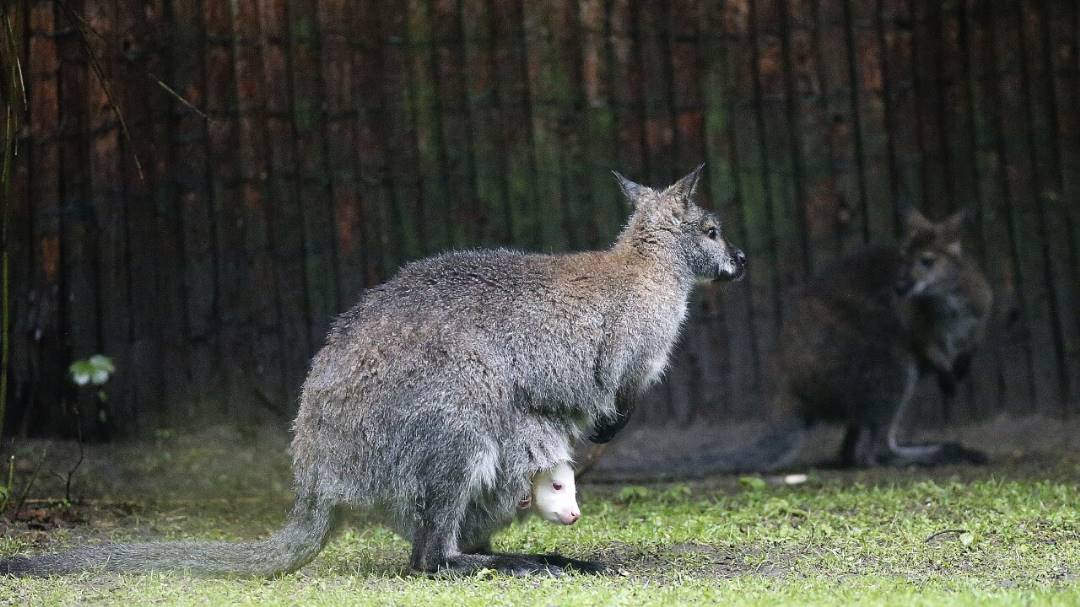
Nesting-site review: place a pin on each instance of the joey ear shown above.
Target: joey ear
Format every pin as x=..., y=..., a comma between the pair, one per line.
x=684, y=188
x=634, y=192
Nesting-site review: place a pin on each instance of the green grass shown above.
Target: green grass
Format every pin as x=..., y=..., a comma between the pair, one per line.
x=864, y=537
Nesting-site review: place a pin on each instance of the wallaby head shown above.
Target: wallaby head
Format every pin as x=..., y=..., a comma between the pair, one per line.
x=931, y=254
x=667, y=222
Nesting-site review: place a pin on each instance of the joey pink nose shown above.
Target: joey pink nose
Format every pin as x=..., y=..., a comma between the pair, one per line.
x=572, y=517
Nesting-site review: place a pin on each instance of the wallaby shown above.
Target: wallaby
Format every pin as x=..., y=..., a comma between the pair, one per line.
x=852, y=349
x=444, y=390
x=553, y=496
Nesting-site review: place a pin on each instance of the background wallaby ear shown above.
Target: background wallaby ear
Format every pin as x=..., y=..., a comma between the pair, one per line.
x=915, y=222
x=954, y=224
x=634, y=192
x=952, y=231
x=684, y=188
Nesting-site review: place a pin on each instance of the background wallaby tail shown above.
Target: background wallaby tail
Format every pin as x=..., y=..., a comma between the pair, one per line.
x=772, y=451
x=303, y=536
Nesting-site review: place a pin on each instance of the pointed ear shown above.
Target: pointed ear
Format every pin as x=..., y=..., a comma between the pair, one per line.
x=684, y=188
x=952, y=231
x=954, y=224
x=916, y=223
x=634, y=192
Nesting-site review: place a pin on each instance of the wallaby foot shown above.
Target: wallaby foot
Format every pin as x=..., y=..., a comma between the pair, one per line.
x=512, y=564
x=935, y=454
x=865, y=447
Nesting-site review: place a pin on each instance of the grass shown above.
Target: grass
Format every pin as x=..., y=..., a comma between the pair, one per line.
x=1000, y=535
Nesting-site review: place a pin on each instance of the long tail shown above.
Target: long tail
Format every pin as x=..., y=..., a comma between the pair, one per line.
x=770, y=452
x=305, y=533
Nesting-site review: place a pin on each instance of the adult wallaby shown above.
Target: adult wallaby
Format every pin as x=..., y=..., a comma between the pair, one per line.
x=439, y=396
x=852, y=349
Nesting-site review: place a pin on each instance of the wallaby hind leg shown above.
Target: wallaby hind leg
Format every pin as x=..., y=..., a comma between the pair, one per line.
x=873, y=440
x=434, y=550
x=435, y=542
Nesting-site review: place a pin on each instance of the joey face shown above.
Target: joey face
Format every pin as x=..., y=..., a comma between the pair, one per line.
x=669, y=219
x=554, y=495
x=931, y=254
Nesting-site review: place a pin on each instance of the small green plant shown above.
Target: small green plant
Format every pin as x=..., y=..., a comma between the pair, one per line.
x=94, y=371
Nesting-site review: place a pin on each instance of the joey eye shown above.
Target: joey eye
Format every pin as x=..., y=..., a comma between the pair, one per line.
x=927, y=259
x=712, y=233
x=556, y=486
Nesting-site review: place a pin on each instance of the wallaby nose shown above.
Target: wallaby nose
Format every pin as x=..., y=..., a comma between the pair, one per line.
x=740, y=257
x=572, y=517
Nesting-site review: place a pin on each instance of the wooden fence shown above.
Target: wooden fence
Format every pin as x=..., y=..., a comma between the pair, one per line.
x=344, y=138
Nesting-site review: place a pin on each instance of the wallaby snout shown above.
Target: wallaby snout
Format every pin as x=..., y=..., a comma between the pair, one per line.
x=738, y=270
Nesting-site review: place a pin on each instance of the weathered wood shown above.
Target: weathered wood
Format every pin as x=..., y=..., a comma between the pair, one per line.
x=844, y=215
x=345, y=140
x=167, y=295
x=340, y=144
x=20, y=242
x=232, y=323
x=424, y=106
x=411, y=218
x=467, y=218
x=308, y=114
x=371, y=153
x=1060, y=32
x=143, y=255
x=602, y=137
x=1051, y=221
x=98, y=192
x=191, y=170
x=44, y=324
x=262, y=353
x=286, y=209
x=1016, y=122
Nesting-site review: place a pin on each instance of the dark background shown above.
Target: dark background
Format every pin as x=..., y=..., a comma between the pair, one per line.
x=345, y=138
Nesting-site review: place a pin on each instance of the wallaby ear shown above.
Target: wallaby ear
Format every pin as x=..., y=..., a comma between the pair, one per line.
x=684, y=188
x=634, y=192
x=952, y=231
x=916, y=223
x=954, y=224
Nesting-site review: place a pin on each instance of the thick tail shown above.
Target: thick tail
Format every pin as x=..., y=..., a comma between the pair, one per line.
x=770, y=452
x=303, y=536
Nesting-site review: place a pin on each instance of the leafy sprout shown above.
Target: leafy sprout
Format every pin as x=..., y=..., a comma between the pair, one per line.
x=95, y=370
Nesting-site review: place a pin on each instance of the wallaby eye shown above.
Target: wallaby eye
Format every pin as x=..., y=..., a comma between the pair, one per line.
x=556, y=486
x=712, y=233
x=927, y=259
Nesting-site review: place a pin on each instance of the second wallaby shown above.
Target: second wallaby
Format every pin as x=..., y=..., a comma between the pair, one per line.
x=439, y=396
x=857, y=340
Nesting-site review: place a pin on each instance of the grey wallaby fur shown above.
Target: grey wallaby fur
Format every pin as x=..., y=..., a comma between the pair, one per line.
x=852, y=349
x=441, y=393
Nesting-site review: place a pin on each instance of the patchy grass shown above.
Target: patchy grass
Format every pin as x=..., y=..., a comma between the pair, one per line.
x=1004, y=534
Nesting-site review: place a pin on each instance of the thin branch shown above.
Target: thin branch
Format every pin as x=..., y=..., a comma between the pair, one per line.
x=18, y=63
x=30, y=484
x=151, y=75
x=934, y=536
x=100, y=73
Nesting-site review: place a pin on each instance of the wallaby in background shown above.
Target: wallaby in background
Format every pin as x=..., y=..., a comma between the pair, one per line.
x=444, y=390
x=852, y=349
x=553, y=495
